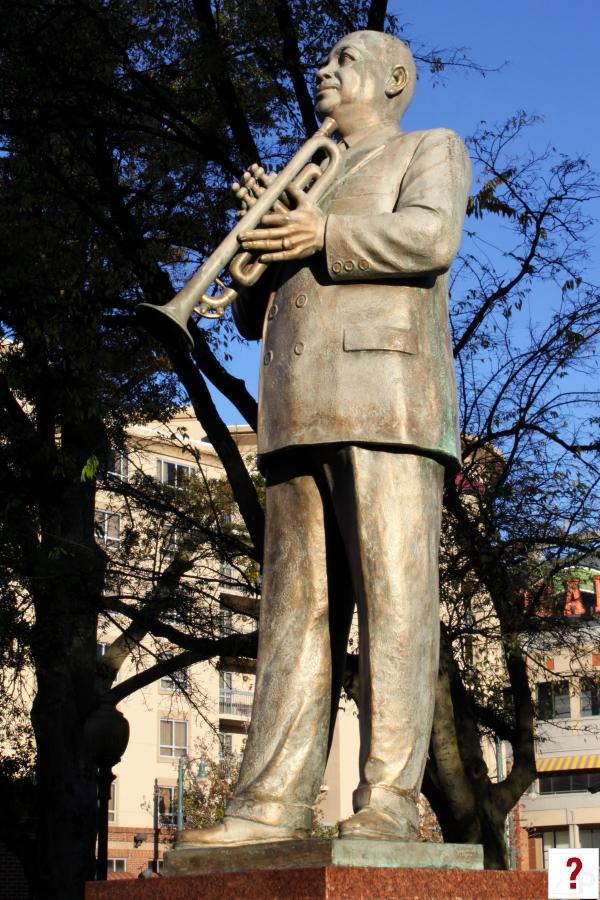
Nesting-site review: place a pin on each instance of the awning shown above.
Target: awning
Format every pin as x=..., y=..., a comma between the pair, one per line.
x=568, y=763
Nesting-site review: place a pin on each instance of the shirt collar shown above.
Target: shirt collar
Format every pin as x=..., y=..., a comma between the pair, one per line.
x=368, y=137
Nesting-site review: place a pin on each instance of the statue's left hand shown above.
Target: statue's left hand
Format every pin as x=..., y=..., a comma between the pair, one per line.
x=290, y=235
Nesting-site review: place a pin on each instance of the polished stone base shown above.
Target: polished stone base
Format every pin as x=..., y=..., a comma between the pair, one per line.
x=321, y=852
x=331, y=883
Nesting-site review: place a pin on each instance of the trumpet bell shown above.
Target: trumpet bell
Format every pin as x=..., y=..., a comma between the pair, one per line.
x=165, y=323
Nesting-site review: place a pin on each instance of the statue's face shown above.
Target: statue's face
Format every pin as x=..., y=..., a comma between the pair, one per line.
x=352, y=75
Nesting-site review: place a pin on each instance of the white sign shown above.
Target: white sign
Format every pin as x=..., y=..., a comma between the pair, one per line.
x=573, y=873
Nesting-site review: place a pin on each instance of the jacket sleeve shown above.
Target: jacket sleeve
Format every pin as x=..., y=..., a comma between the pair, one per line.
x=422, y=234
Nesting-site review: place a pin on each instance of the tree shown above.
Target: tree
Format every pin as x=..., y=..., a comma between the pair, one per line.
x=122, y=123
x=525, y=327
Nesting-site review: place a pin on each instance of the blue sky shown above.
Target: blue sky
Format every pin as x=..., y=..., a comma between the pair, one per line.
x=552, y=68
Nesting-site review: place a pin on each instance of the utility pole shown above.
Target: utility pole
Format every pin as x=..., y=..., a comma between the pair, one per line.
x=156, y=825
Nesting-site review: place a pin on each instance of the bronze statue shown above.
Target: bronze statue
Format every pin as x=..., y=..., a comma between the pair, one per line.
x=357, y=423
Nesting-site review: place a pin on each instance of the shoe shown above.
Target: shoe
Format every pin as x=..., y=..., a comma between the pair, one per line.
x=234, y=832
x=374, y=824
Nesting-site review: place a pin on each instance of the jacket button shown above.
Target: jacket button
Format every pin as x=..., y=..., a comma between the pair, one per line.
x=273, y=311
x=348, y=265
x=268, y=357
x=336, y=267
x=363, y=264
x=301, y=300
x=299, y=348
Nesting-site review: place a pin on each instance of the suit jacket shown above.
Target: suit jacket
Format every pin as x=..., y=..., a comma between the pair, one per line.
x=356, y=345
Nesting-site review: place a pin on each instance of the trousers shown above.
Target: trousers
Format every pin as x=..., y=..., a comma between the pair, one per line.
x=346, y=527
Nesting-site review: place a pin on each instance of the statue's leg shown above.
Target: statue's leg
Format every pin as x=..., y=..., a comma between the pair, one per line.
x=286, y=751
x=389, y=510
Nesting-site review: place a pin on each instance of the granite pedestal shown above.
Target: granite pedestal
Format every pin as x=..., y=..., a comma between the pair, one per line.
x=333, y=883
x=322, y=853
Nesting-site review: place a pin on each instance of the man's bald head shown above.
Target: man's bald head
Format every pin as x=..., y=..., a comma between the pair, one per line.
x=392, y=52
x=367, y=77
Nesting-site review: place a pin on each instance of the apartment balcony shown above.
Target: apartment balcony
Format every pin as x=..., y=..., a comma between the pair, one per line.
x=235, y=709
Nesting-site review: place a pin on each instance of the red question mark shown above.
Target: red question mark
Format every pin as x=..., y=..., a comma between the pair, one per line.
x=577, y=867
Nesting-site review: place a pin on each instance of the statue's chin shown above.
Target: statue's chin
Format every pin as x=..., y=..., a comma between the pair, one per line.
x=325, y=106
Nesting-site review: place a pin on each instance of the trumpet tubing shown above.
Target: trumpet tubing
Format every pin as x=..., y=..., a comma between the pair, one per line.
x=244, y=269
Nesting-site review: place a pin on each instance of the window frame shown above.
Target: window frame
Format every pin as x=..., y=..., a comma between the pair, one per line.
x=112, y=803
x=174, y=747
x=101, y=519
x=168, y=820
x=548, y=781
x=547, y=705
x=116, y=859
x=590, y=828
x=117, y=468
x=553, y=832
x=589, y=686
x=168, y=684
x=178, y=484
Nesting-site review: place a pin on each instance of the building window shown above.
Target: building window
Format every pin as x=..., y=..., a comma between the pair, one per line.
x=590, y=697
x=171, y=543
x=233, y=702
x=225, y=751
x=112, y=802
x=589, y=836
x=177, y=681
x=117, y=468
x=228, y=574
x=225, y=622
x=108, y=527
x=566, y=782
x=174, y=474
x=167, y=806
x=173, y=737
x=116, y=865
x=553, y=700
x=554, y=840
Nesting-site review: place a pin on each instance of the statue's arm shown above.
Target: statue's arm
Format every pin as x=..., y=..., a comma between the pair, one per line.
x=423, y=233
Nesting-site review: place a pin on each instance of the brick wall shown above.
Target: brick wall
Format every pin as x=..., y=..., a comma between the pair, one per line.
x=121, y=846
x=13, y=884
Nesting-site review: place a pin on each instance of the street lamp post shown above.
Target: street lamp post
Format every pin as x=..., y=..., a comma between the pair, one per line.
x=156, y=825
x=105, y=735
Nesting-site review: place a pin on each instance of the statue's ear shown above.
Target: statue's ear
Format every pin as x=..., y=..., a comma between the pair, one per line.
x=397, y=81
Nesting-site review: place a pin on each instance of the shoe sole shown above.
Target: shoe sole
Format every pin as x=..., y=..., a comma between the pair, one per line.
x=266, y=840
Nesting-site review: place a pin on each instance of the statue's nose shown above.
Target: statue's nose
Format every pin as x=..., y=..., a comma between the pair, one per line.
x=322, y=76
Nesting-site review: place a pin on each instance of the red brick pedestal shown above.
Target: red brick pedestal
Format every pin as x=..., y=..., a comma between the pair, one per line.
x=331, y=882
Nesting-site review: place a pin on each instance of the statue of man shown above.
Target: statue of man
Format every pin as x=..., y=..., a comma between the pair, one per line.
x=357, y=424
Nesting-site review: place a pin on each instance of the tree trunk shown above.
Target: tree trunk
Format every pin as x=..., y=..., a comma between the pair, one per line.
x=486, y=826
x=67, y=590
x=66, y=814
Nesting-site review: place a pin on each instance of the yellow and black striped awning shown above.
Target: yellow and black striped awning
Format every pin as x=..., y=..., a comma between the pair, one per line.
x=568, y=763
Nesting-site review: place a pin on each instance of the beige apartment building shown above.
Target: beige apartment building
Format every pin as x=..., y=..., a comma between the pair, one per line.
x=167, y=730
x=562, y=807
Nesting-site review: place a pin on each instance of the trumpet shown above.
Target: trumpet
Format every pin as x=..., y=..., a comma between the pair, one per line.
x=245, y=270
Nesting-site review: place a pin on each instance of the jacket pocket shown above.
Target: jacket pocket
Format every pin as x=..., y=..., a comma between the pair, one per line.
x=380, y=337
x=359, y=185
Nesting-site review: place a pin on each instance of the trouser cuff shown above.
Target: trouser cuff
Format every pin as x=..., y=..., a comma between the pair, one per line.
x=400, y=804
x=271, y=812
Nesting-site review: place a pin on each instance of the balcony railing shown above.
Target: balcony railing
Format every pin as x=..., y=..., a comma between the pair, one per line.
x=235, y=703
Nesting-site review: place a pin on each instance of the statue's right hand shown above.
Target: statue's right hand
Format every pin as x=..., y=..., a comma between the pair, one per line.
x=252, y=184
